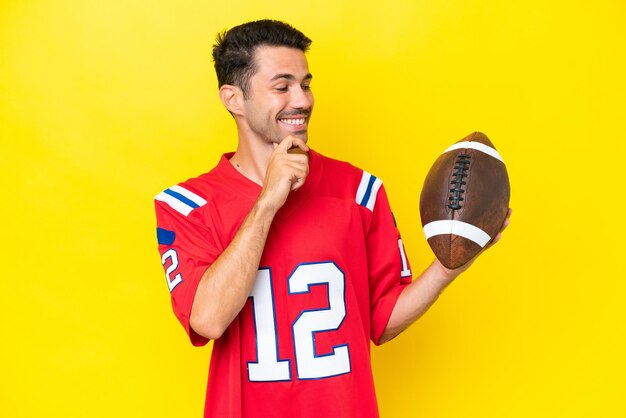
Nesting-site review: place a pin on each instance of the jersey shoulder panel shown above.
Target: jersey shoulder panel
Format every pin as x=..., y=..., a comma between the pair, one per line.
x=356, y=183
x=182, y=198
x=194, y=196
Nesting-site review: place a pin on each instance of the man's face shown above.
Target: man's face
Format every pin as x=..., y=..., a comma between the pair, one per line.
x=280, y=100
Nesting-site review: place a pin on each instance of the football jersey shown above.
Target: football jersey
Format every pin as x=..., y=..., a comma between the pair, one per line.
x=331, y=271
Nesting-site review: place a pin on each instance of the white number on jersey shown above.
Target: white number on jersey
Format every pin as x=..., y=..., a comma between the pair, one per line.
x=173, y=256
x=267, y=368
x=406, y=272
x=309, y=365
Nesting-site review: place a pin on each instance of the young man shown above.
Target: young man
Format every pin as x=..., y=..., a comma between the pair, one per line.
x=289, y=260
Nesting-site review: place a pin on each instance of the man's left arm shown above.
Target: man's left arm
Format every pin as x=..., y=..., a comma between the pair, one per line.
x=417, y=297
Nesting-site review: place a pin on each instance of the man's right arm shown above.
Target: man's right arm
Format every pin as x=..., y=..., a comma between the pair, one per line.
x=226, y=284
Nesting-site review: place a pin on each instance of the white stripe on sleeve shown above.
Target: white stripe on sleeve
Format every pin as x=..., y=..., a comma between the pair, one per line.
x=174, y=203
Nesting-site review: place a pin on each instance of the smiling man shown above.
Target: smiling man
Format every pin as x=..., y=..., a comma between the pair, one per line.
x=289, y=260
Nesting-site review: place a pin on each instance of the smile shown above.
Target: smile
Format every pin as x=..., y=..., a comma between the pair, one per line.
x=299, y=121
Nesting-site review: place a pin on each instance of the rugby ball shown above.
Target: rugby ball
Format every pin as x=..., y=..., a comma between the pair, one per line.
x=464, y=200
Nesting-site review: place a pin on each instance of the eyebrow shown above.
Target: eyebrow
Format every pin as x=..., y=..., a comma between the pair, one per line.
x=290, y=77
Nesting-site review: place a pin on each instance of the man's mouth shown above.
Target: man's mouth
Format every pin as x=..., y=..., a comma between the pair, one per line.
x=295, y=125
x=293, y=121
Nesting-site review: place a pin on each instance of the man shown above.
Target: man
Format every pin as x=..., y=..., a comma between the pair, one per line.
x=289, y=260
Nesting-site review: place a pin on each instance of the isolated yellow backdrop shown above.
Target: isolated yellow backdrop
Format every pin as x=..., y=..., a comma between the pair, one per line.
x=104, y=104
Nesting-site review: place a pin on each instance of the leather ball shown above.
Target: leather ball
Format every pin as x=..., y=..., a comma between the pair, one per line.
x=464, y=200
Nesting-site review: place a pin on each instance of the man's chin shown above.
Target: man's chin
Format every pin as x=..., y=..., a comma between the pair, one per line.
x=303, y=135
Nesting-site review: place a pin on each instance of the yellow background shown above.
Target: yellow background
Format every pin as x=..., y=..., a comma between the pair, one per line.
x=105, y=103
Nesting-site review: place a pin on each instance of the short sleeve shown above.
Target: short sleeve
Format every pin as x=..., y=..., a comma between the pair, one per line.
x=389, y=269
x=186, y=247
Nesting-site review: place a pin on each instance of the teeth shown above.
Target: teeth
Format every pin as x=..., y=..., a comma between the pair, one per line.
x=293, y=121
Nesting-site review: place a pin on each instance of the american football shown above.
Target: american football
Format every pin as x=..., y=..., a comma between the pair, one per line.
x=464, y=200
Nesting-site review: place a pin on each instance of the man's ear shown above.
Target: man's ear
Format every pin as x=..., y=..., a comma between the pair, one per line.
x=232, y=97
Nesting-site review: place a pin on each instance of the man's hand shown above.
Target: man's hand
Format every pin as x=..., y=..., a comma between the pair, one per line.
x=287, y=171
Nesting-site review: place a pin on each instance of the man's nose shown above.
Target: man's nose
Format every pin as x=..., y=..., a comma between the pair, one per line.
x=301, y=98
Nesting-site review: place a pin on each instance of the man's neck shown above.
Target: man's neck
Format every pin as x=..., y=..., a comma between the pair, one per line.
x=252, y=159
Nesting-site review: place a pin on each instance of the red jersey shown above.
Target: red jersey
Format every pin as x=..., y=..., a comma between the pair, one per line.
x=331, y=271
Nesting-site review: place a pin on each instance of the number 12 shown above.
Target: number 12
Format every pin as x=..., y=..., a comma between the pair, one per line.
x=268, y=367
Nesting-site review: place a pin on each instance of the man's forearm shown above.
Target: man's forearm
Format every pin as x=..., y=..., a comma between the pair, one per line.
x=416, y=298
x=226, y=284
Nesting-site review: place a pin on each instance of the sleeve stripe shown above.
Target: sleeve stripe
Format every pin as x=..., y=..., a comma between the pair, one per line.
x=180, y=199
x=367, y=191
x=189, y=195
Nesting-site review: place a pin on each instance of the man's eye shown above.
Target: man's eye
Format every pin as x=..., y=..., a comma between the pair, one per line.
x=306, y=87
x=282, y=88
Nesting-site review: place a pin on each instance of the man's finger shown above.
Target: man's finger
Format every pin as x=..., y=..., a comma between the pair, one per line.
x=297, y=150
x=291, y=141
x=507, y=220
